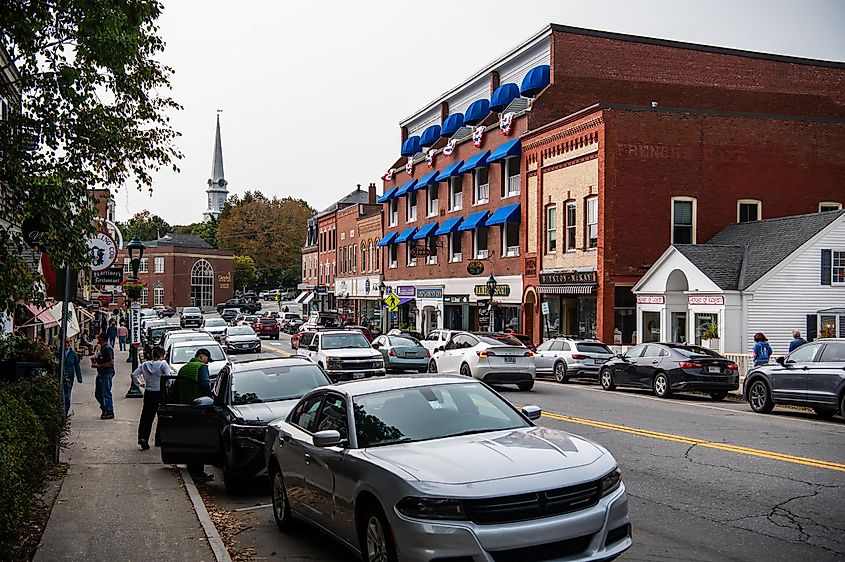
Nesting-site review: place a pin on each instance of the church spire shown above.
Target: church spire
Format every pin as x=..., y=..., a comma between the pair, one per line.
x=217, y=160
x=217, y=192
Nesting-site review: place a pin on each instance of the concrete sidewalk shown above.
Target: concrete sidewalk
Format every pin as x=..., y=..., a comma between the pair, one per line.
x=117, y=502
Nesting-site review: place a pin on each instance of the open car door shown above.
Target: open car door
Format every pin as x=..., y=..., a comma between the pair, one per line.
x=189, y=433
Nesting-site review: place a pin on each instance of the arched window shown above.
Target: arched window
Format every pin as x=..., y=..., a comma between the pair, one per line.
x=202, y=284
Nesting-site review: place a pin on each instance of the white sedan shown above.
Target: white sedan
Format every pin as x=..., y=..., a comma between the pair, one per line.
x=492, y=358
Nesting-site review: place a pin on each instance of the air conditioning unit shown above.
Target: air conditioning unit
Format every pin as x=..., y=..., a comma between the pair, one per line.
x=483, y=254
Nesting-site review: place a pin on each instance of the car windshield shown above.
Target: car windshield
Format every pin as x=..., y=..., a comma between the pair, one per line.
x=591, y=347
x=240, y=331
x=215, y=322
x=398, y=341
x=276, y=383
x=430, y=412
x=184, y=354
x=694, y=350
x=190, y=310
x=251, y=319
x=345, y=341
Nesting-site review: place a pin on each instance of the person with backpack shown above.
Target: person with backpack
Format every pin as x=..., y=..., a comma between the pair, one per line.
x=762, y=351
x=152, y=372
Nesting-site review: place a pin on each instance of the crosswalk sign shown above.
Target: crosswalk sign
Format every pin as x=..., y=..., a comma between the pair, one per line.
x=392, y=302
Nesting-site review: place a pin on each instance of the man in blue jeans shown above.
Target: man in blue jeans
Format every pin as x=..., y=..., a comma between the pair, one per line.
x=104, y=363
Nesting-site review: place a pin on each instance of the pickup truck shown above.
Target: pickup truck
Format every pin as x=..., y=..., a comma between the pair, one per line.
x=437, y=338
x=342, y=354
x=244, y=305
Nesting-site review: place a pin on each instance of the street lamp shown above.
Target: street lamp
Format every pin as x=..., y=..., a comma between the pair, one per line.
x=382, y=288
x=491, y=291
x=135, y=248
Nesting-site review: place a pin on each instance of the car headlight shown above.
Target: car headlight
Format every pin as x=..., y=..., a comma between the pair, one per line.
x=254, y=431
x=611, y=481
x=333, y=363
x=432, y=508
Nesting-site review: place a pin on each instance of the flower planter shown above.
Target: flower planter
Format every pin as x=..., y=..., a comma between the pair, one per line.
x=133, y=292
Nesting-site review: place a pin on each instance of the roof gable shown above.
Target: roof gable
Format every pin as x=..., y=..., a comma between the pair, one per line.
x=722, y=264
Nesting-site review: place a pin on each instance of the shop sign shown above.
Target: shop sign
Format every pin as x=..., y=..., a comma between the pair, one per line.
x=530, y=267
x=224, y=280
x=568, y=278
x=367, y=287
x=545, y=307
x=135, y=323
x=707, y=299
x=105, y=300
x=321, y=289
x=649, y=299
x=502, y=290
x=342, y=288
x=429, y=293
x=456, y=299
x=103, y=251
x=420, y=252
x=111, y=276
x=406, y=290
x=475, y=268
x=484, y=318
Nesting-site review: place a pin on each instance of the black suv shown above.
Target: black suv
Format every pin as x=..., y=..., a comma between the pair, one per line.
x=245, y=305
x=813, y=375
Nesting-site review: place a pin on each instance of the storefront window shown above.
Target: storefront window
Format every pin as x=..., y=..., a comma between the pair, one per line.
x=703, y=322
x=587, y=318
x=679, y=327
x=509, y=318
x=625, y=313
x=651, y=327
x=553, y=320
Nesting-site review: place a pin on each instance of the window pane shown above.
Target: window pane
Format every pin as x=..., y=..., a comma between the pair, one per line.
x=748, y=212
x=683, y=212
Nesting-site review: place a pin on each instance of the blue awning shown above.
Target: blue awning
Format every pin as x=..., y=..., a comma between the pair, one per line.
x=509, y=213
x=406, y=234
x=536, y=79
x=430, y=135
x=449, y=172
x=477, y=161
x=426, y=181
x=448, y=227
x=406, y=188
x=473, y=221
x=425, y=231
x=387, y=195
x=387, y=240
x=512, y=148
x=452, y=124
x=411, y=146
x=502, y=96
x=477, y=112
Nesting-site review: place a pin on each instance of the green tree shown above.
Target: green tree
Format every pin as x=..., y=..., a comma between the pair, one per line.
x=146, y=225
x=93, y=99
x=245, y=272
x=207, y=230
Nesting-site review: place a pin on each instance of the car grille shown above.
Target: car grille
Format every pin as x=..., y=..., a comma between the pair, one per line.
x=521, y=507
x=362, y=363
x=541, y=552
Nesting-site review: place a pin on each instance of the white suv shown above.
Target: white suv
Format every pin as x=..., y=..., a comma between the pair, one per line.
x=342, y=354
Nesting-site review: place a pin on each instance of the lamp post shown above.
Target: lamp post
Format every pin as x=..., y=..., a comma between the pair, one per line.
x=491, y=291
x=381, y=290
x=136, y=252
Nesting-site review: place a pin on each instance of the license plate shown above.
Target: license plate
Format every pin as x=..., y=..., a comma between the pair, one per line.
x=714, y=369
x=410, y=354
x=510, y=359
x=357, y=375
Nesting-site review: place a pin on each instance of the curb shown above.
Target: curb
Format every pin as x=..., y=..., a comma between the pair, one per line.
x=214, y=540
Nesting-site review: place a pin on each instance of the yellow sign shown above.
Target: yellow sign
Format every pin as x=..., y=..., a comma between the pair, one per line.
x=392, y=302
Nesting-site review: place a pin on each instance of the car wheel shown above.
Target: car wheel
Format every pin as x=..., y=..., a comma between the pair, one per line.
x=661, y=386
x=606, y=379
x=759, y=398
x=231, y=483
x=281, y=508
x=825, y=413
x=465, y=370
x=560, y=372
x=432, y=366
x=525, y=386
x=719, y=395
x=377, y=544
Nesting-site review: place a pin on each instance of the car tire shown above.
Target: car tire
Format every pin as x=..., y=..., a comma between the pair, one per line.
x=376, y=537
x=759, y=397
x=231, y=483
x=560, y=372
x=842, y=406
x=606, y=379
x=432, y=366
x=660, y=385
x=525, y=386
x=281, y=507
x=465, y=370
x=825, y=413
x=719, y=395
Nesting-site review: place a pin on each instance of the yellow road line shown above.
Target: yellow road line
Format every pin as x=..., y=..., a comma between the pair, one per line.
x=276, y=351
x=700, y=442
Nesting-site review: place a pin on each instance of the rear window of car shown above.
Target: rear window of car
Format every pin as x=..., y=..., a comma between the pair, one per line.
x=694, y=350
x=269, y=321
x=403, y=341
x=593, y=348
x=501, y=339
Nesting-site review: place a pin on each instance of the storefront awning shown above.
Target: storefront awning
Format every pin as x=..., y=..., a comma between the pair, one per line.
x=449, y=226
x=44, y=316
x=477, y=111
x=406, y=234
x=405, y=188
x=430, y=136
x=449, y=172
x=506, y=150
x=387, y=240
x=477, y=161
x=425, y=231
x=451, y=125
x=301, y=297
x=473, y=221
x=387, y=195
x=508, y=213
x=405, y=300
x=411, y=146
x=308, y=298
x=503, y=95
x=426, y=180
x=566, y=290
x=536, y=79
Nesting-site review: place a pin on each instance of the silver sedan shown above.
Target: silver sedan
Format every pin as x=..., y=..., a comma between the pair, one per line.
x=421, y=468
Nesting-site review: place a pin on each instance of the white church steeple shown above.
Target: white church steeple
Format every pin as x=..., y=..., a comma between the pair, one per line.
x=217, y=192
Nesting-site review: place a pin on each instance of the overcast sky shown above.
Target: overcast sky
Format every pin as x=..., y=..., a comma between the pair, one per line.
x=312, y=91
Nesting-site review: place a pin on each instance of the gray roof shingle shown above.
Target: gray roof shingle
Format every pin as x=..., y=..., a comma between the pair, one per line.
x=722, y=264
x=178, y=241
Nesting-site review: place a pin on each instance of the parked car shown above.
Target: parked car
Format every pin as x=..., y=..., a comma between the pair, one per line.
x=229, y=314
x=671, y=367
x=501, y=360
x=184, y=335
x=191, y=317
x=437, y=338
x=154, y=323
x=244, y=305
x=241, y=338
x=342, y=354
x=272, y=314
x=364, y=330
x=147, y=314
x=267, y=326
x=228, y=430
x=215, y=327
x=402, y=332
x=566, y=357
x=812, y=375
x=443, y=468
x=154, y=336
x=180, y=353
x=325, y=319
x=164, y=311
x=525, y=339
x=246, y=320
x=402, y=353
x=291, y=326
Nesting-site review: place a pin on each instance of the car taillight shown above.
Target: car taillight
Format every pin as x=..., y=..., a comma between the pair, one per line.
x=578, y=356
x=482, y=354
x=732, y=367
x=689, y=365
x=529, y=354
x=427, y=353
x=392, y=352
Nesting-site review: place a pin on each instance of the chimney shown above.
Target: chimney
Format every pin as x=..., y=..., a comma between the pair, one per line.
x=372, y=197
x=359, y=187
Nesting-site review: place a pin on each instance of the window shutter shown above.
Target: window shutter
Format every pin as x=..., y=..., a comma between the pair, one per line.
x=812, y=327
x=826, y=267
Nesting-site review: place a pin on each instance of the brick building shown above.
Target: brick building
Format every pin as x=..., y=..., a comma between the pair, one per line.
x=358, y=280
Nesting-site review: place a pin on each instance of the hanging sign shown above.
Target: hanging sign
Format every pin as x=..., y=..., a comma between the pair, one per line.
x=506, y=123
x=475, y=268
x=545, y=307
x=111, y=276
x=103, y=251
x=478, y=136
x=409, y=167
x=502, y=290
x=450, y=147
x=429, y=158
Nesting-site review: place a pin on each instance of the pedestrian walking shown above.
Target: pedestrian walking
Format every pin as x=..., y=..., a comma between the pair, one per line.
x=104, y=363
x=797, y=341
x=72, y=369
x=112, y=332
x=279, y=302
x=191, y=383
x=122, y=334
x=762, y=351
x=152, y=371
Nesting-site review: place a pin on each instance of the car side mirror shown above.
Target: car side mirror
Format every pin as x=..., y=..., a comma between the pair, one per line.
x=203, y=402
x=532, y=412
x=328, y=438
x=376, y=345
x=780, y=361
x=620, y=356
x=441, y=348
x=313, y=348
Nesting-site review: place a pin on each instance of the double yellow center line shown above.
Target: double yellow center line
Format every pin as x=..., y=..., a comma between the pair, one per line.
x=700, y=442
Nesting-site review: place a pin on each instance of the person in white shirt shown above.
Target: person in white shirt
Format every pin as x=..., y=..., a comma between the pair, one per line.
x=152, y=372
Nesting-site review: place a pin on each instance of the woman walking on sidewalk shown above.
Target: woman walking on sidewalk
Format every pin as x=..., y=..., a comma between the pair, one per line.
x=104, y=363
x=152, y=371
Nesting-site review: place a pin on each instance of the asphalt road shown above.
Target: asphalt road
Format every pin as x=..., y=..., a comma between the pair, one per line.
x=707, y=481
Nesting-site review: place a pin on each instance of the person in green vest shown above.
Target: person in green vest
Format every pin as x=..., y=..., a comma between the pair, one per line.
x=191, y=383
